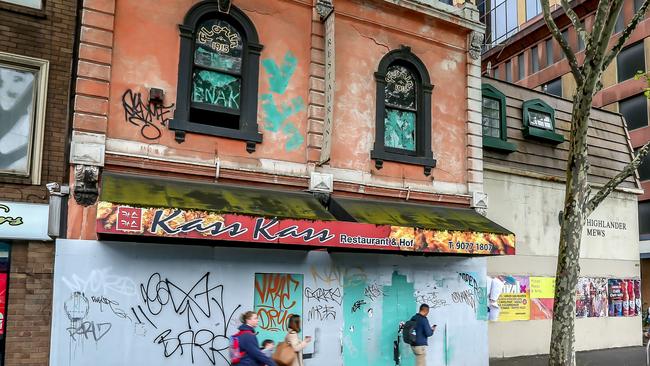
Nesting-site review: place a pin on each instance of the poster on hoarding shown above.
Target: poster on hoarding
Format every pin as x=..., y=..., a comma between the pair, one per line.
x=615, y=296
x=514, y=301
x=591, y=297
x=542, y=294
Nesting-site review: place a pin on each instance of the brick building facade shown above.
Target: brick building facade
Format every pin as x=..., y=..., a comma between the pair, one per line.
x=37, y=40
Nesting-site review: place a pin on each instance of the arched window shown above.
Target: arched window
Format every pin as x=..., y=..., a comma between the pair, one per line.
x=403, y=126
x=218, y=75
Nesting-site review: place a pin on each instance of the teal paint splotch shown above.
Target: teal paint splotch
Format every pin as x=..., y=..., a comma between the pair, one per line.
x=355, y=342
x=280, y=75
x=277, y=115
x=398, y=306
x=295, y=138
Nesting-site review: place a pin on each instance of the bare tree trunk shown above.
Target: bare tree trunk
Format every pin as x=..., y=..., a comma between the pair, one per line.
x=568, y=267
x=578, y=204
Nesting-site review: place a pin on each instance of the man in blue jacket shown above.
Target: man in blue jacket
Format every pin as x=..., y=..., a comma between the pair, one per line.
x=423, y=330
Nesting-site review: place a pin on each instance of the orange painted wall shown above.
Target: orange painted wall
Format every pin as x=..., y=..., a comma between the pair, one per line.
x=365, y=32
x=146, y=54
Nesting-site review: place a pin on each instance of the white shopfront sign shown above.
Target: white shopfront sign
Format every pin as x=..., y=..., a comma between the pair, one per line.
x=23, y=221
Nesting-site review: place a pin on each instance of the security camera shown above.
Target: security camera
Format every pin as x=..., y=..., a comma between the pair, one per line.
x=53, y=187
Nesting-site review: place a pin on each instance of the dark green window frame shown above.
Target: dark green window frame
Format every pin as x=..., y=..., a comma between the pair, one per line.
x=537, y=133
x=500, y=144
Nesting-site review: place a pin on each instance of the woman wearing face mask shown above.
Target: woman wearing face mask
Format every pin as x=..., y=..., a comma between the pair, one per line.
x=248, y=343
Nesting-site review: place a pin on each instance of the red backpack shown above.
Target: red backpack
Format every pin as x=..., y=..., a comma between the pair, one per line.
x=235, y=353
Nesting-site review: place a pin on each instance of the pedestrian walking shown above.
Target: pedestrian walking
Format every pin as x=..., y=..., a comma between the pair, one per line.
x=423, y=330
x=249, y=347
x=295, y=342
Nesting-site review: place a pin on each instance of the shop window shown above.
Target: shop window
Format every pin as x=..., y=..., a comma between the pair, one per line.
x=553, y=87
x=549, y=52
x=509, y=71
x=539, y=122
x=403, y=127
x=644, y=218
x=23, y=88
x=495, y=129
x=34, y=4
x=635, y=111
x=521, y=66
x=218, y=75
x=644, y=168
x=534, y=59
x=630, y=60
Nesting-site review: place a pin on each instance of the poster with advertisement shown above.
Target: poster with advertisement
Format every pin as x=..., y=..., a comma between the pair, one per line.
x=3, y=298
x=615, y=296
x=514, y=301
x=637, y=297
x=542, y=294
x=591, y=297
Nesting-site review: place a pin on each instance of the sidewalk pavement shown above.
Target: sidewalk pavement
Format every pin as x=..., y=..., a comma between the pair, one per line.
x=625, y=356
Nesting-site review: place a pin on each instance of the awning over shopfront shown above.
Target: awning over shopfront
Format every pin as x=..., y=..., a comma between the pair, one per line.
x=166, y=193
x=413, y=215
x=156, y=207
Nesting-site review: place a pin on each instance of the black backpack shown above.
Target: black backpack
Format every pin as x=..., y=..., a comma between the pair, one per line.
x=408, y=332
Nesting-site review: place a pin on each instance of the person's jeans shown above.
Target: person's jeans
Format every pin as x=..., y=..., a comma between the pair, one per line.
x=420, y=355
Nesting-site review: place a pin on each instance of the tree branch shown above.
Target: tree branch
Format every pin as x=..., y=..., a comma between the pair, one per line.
x=577, y=24
x=626, y=34
x=555, y=31
x=618, y=179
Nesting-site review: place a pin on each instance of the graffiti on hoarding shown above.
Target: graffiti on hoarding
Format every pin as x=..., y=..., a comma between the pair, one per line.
x=197, y=303
x=202, y=342
x=276, y=296
x=464, y=297
x=101, y=281
x=97, y=330
x=196, y=224
x=336, y=275
x=358, y=305
x=321, y=313
x=111, y=304
x=324, y=295
x=373, y=291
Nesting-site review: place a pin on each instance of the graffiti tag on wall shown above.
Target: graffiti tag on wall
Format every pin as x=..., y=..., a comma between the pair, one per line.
x=145, y=114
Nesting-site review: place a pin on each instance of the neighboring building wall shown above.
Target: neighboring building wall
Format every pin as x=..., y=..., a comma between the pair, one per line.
x=515, y=200
x=48, y=35
x=535, y=34
x=346, y=301
x=526, y=193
